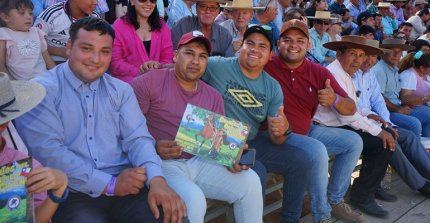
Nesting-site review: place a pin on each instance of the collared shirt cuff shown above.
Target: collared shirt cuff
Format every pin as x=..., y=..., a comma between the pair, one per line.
x=97, y=184
x=152, y=170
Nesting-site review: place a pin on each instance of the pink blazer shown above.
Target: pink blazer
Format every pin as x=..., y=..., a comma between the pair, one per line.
x=129, y=53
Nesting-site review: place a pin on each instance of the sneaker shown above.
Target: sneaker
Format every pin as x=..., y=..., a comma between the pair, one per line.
x=425, y=189
x=370, y=208
x=344, y=212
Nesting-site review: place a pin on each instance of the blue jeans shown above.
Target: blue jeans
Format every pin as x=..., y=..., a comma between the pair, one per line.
x=196, y=179
x=294, y=163
x=418, y=121
x=346, y=145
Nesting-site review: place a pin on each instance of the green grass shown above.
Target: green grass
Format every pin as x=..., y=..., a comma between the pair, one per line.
x=15, y=216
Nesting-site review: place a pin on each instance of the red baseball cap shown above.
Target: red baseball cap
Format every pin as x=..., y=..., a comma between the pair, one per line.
x=295, y=24
x=194, y=36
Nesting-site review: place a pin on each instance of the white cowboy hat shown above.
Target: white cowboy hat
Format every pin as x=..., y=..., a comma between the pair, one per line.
x=384, y=5
x=18, y=97
x=241, y=4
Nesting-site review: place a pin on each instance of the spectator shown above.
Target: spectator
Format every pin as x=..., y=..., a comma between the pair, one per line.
x=419, y=5
x=318, y=35
x=143, y=41
x=422, y=45
x=335, y=29
x=290, y=64
x=366, y=32
x=397, y=11
x=317, y=5
x=17, y=98
x=98, y=137
x=372, y=7
x=418, y=22
x=23, y=49
x=378, y=144
x=335, y=6
x=208, y=179
x=266, y=17
x=207, y=10
x=355, y=8
x=379, y=28
x=364, y=19
x=242, y=12
x=389, y=23
x=55, y=21
x=179, y=9
x=224, y=15
x=347, y=22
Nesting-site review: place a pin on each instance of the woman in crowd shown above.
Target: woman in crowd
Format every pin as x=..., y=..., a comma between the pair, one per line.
x=142, y=41
x=414, y=69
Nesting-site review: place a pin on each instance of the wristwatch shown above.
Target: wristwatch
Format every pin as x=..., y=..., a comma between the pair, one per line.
x=56, y=199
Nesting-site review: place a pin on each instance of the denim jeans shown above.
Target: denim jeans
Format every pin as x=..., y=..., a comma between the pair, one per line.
x=196, y=179
x=418, y=121
x=294, y=163
x=411, y=161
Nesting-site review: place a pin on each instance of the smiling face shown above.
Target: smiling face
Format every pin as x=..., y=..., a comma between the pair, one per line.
x=190, y=61
x=255, y=52
x=351, y=59
x=144, y=8
x=292, y=47
x=90, y=55
x=18, y=19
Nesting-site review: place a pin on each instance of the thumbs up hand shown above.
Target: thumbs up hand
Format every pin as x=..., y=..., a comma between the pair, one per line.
x=278, y=125
x=326, y=96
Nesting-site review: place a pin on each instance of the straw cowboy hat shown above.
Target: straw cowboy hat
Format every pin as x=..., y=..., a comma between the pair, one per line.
x=375, y=43
x=396, y=43
x=18, y=97
x=384, y=5
x=321, y=15
x=240, y=4
x=419, y=2
x=354, y=42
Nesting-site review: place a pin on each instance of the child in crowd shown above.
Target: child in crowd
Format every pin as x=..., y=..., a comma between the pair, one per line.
x=23, y=49
x=16, y=98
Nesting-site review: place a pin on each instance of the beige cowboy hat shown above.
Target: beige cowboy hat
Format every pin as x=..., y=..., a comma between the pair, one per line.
x=396, y=43
x=375, y=43
x=419, y=2
x=18, y=97
x=321, y=15
x=240, y=4
x=354, y=42
x=384, y=5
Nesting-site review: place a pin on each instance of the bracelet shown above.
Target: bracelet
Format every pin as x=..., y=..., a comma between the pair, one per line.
x=110, y=191
x=56, y=199
x=336, y=101
x=289, y=130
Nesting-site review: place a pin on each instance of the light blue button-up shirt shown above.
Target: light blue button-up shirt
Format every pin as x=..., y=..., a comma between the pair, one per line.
x=317, y=50
x=370, y=100
x=388, y=80
x=90, y=131
x=389, y=25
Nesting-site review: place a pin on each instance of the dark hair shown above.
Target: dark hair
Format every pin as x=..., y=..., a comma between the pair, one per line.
x=154, y=19
x=377, y=15
x=409, y=61
x=91, y=24
x=365, y=29
x=420, y=43
x=7, y=5
x=291, y=14
x=405, y=24
x=424, y=11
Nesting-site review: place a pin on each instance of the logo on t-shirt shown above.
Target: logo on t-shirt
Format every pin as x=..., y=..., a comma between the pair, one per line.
x=245, y=98
x=252, y=102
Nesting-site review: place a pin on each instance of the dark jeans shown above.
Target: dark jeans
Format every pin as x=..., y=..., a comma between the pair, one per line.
x=80, y=207
x=374, y=165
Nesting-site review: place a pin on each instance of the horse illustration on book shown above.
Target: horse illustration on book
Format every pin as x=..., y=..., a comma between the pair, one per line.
x=208, y=130
x=217, y=142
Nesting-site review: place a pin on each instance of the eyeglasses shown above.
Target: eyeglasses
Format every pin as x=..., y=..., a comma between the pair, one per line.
x=265, y=27
x=320, y=22
x=211, y=8
x=143, y=1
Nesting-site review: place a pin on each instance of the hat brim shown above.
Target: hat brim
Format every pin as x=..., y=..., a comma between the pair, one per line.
x=335, y=45
x=243, y=7
x=404, y=47
x=27, y=96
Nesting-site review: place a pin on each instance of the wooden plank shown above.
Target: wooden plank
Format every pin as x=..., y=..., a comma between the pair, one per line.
x=419, y=214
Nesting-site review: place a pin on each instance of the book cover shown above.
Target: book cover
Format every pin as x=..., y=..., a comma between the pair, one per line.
x=211, y=136
x=16, y=205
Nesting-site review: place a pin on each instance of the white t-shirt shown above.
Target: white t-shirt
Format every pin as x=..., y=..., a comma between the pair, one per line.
x=408, y=80
x=56, y=22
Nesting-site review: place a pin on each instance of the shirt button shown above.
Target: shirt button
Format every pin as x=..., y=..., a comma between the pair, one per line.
x=294, y=79
x=87, y=96
x=90, y=138
x=90, y=116
x=91, y=192
x=95, y=160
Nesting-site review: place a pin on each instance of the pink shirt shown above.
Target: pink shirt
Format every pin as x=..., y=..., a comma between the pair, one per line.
x=9, y=155
x=163, y=101
x=129, y=53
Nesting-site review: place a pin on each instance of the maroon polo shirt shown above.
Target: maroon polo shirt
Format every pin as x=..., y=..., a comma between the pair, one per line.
x=300, y=87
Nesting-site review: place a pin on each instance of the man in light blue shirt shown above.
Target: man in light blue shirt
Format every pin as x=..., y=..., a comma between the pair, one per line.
x=90, y=126
x=410, y=160
x=355, y=8
x=388, y=22
x=319, y=36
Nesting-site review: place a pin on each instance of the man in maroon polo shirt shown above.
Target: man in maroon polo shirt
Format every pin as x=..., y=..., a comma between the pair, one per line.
x=305, y=85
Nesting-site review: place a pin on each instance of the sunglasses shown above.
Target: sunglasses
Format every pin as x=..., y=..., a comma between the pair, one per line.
x=265, y=27
x=143, y=1
x=320, y=22
x=205, y=8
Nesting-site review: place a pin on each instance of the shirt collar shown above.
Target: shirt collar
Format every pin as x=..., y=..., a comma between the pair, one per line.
x=338, y=67
x=299, y=69
x=77, y=84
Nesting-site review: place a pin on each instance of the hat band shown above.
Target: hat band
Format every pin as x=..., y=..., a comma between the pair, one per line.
x=2, y=108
